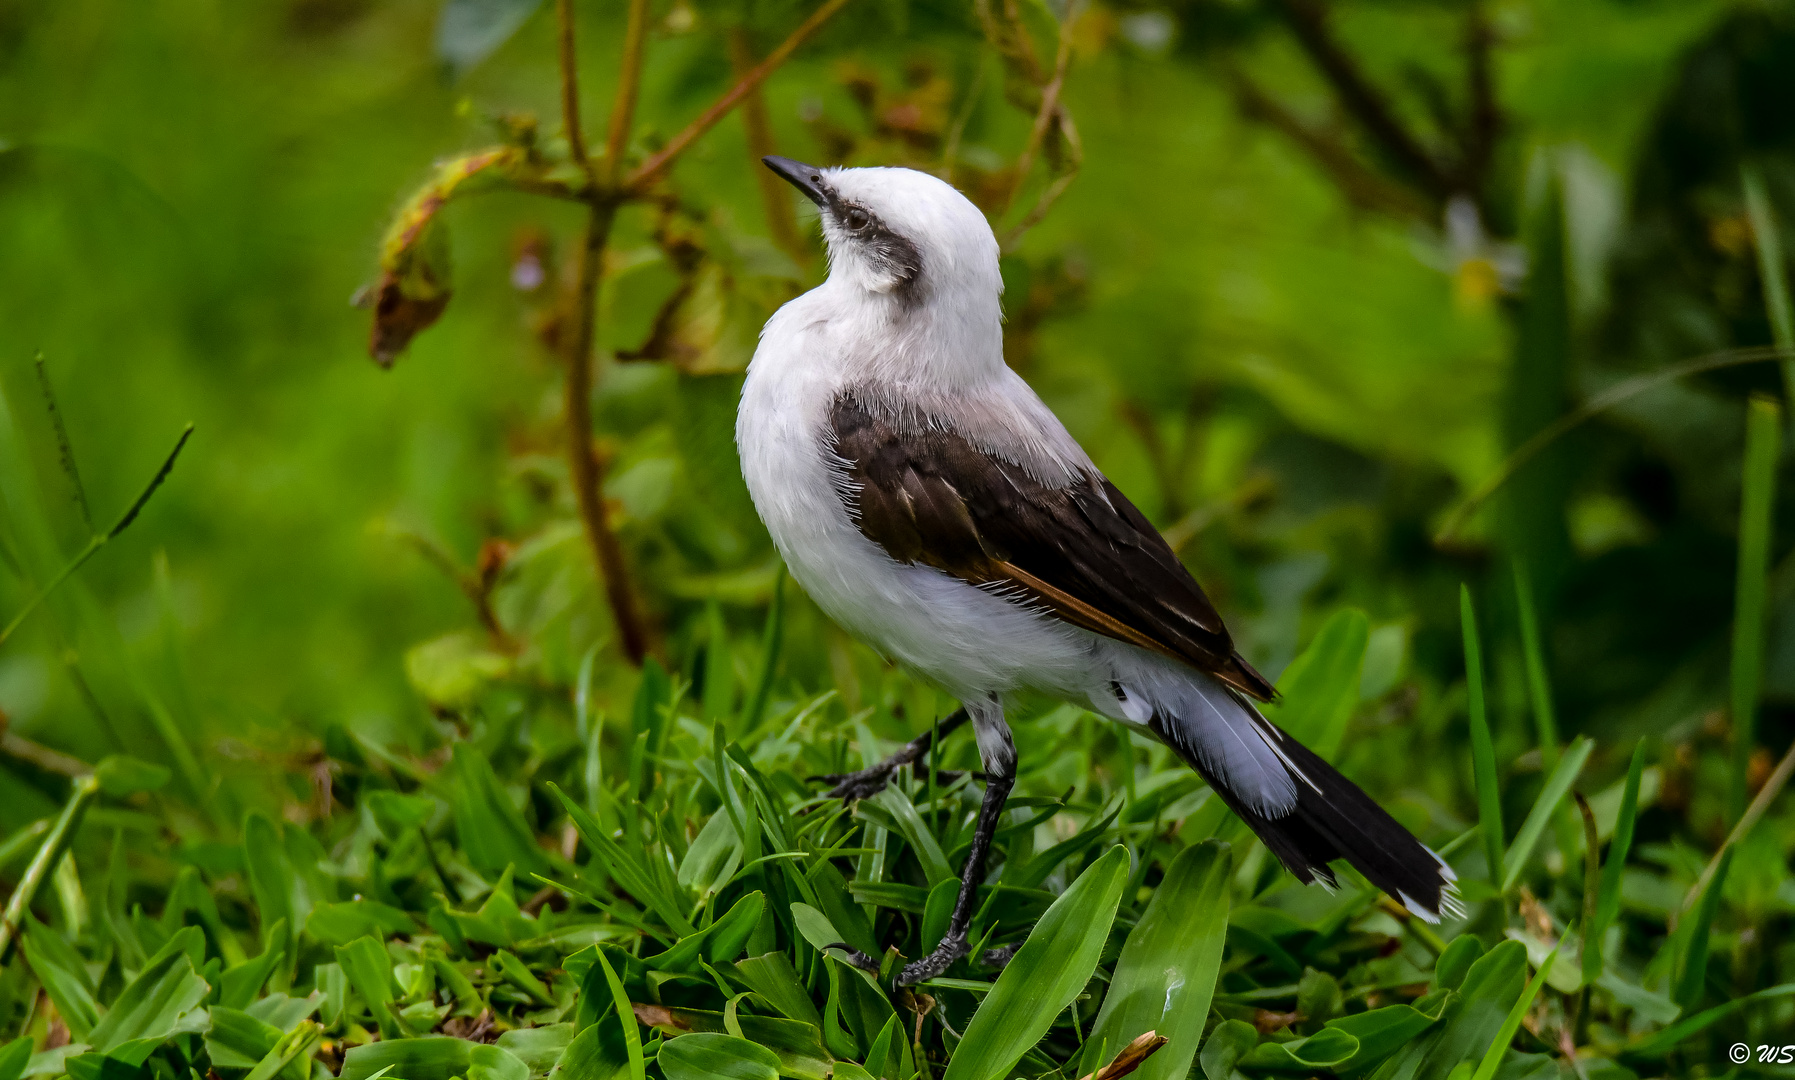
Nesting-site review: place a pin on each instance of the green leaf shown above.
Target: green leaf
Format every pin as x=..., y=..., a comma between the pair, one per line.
x=1381, y=1032
x=1049, y=970
x=431, y=1057
x=706, y=1056
x=163, y=992
x=1656, y=1046
x=237, y=1040
x=1320, y=688
x=625, y=867
x=713, y=857
x=1455, y=960
x=1168, y=967
x=1763, y=434
x=1483, y=753
x=625, y=1014
x=1691, y=938
x=64, y=977
x=1492, y=1057
x=370, y=972
x=833, y=900
x=492, y=831
x=797, y=1045
x=1608, y=896
x=278, y=896
x=1326, y=1049
x=339, y=924
x=1039, y=867
x=1544, y=807
x=538, y=1047
x=907, y=823
x=242, y=982
x=1471, y=1016
x=592, y=1055
x=1228, y=1043
x=773, y=978
x=120, y=776
x=14, y=1056
x=719, y=668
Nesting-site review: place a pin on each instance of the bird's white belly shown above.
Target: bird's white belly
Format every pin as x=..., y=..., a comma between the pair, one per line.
x=969, y=641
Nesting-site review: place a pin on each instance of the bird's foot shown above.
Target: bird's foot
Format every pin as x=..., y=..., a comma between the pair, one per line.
x=999, y=957
x=860, y=785
x=952, y=948
x=855, y=957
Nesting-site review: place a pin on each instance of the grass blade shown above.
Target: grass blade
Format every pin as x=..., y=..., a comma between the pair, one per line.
x=1049, y=970
x=1544, y=807
x=1691, y=939
x=771, y=640
x=1608, y=900
x=1167, y=972
x=1493, y=1056
x=86, y=788
x=1483, y=752
x=1772, y=266
x=1320, y=688
x=1763, y=430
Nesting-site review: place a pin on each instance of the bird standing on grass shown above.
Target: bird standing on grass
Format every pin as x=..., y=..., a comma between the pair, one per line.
x=933, y=506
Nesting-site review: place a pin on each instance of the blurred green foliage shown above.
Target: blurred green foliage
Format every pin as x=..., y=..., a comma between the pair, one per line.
x=1294, y=321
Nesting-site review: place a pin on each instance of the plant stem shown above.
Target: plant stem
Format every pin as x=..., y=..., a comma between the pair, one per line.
x=720, y=108
x=570, y=91
x=775, y=196
x=1763, y=426
x=55, y=845
x=629, y=85
x=588, y=471
x=1772, y=268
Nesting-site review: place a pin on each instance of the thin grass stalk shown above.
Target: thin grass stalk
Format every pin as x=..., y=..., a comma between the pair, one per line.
x=1607, y=904
x=1483, y=751
x=1539, y=693
x=1763, y=429
x=1595, y=406
x=99, y=540
x=708, y=119
x=772, y=639
x=629, y=87
x=43, y=864
x=1772, y=267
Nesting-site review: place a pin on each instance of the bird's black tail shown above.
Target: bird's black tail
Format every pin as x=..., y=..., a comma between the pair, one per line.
x=1333, y=819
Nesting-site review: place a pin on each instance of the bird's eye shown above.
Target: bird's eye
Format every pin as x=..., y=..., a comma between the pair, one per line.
x=856, y=219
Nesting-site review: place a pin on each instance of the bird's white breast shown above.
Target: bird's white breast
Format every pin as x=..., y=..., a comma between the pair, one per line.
x=969, y=641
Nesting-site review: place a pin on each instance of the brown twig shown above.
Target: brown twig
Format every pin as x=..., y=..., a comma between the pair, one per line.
x=16, y=746
x=1049, y=111
x=588, y=475
x=1361, y=186
x=629, y=86
x=1486, y=115
x=775, y=196
x=1308, y=20
x=570, y=91
x=1132, y=1057
x=733, y=97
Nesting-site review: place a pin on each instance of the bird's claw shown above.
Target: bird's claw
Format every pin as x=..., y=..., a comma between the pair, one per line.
x=951, y=948
x=858, y=785
x=855, y=957
x=999, y=957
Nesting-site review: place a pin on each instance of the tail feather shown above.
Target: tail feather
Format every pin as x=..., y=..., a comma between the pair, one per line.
x=1333, y=819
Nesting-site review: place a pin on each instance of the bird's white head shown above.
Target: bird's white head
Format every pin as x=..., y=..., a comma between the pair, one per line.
x=900, y=233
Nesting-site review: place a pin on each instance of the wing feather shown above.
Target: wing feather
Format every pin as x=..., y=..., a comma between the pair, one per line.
x=926, y=494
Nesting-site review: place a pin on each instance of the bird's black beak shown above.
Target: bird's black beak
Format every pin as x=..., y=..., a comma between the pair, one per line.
x=806, y=178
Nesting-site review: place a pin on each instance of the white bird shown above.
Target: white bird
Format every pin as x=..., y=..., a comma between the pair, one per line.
x=934, y=506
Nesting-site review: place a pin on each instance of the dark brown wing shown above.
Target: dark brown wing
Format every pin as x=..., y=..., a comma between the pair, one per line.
x=1083, y=551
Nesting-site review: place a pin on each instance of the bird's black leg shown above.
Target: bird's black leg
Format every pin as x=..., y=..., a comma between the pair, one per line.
x=999, y=755
x=869, y=782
